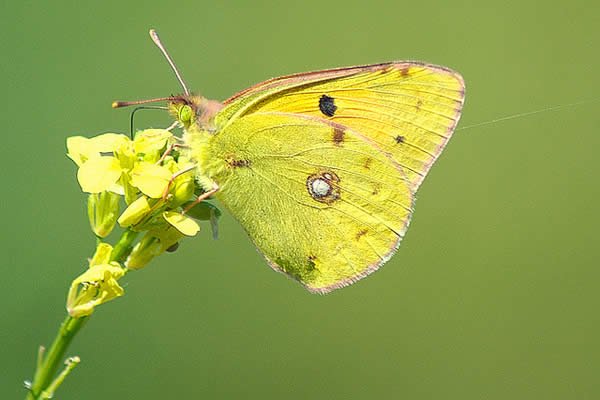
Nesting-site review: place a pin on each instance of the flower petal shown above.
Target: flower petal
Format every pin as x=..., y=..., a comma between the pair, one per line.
x=151, y=179
x=102, y=254
x=80, y=149
x=98, y=174
x=182, y=223
x=108, y=142
x=135, y=212
x=151, y=140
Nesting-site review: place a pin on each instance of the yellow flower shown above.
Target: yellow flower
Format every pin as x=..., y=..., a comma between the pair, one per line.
x=104, y=161
x=97, y=172
x=97, y=285
x=141, y=170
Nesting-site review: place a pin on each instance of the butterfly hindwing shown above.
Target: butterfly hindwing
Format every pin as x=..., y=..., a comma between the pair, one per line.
x=318, y=198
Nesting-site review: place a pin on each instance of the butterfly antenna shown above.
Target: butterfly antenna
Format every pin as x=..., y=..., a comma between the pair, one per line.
x=159, y=44
x=121, y=104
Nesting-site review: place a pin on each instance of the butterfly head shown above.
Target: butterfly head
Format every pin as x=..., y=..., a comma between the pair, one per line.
x=194, y=112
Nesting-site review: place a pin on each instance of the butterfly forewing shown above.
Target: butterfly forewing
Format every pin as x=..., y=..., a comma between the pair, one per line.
x=408, y=110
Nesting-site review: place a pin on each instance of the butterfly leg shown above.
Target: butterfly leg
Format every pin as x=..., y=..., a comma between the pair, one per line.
x=175, y=176
x=202, y=197
x=169, y=150
x=174, y=125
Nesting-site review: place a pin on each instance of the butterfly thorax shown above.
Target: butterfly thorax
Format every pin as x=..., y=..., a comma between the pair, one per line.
x=197, y=115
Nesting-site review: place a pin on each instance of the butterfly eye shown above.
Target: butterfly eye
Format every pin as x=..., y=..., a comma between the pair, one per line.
x=186, y=114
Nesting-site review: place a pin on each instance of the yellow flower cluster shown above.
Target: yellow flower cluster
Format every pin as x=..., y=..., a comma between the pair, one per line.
x=97, y=285
x=153, y=181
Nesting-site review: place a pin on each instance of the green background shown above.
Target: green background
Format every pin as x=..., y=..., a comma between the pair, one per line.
x=492, y=295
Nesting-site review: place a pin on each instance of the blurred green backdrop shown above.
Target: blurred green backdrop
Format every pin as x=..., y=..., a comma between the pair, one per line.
x=493, y=293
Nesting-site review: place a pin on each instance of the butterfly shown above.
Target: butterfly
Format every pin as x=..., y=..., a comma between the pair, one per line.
x=321, y=168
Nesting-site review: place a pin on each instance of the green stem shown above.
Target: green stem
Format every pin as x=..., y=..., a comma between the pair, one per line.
x=46, y=368
x=123, y=247
x=54, y=356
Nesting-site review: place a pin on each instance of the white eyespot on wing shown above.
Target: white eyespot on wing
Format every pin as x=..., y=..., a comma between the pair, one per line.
x=320, y=187
x=323, y=186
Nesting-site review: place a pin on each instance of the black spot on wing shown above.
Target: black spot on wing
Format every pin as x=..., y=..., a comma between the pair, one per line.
x=327, y=105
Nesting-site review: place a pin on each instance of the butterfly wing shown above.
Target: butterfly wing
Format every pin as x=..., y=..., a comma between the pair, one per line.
x=407, y=109
x=321, y=168
x=319, y=199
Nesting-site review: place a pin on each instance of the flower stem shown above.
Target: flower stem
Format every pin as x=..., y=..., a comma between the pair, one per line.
x=123, y=247
x=54, y=356
x=48, y=365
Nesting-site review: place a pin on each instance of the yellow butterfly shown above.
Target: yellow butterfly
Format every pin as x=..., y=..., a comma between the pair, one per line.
x=321, y=168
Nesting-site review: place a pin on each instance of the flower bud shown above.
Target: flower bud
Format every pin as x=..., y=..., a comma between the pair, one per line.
x=143, y=252
x=103, y=210
x=135, y=212
x=183, y=191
